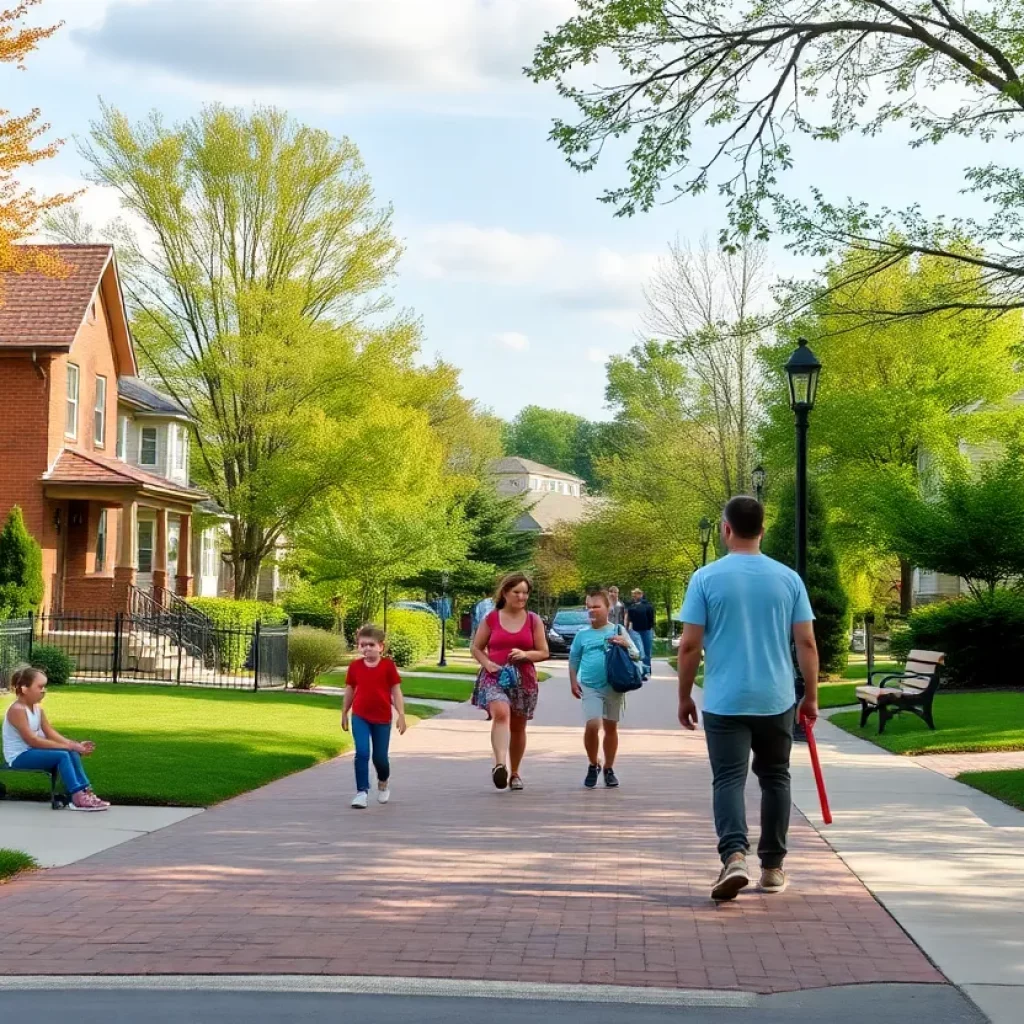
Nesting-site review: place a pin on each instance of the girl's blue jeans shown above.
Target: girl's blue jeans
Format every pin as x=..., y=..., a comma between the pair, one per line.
x=368, y=735
x=67, y=763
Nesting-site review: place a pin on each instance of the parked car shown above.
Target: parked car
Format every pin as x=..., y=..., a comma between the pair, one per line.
x=414, y=606
x=562, y=630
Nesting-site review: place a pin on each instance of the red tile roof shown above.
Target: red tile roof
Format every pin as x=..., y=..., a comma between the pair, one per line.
x=47, y=311
x=74, y=467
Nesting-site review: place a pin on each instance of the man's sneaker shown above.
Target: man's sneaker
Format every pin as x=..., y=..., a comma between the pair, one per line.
x=733, y=878
x=359, y=800
x=83, y=801
x=592, y=775
x=773, y=880
x=383, y=795
x=610, y=779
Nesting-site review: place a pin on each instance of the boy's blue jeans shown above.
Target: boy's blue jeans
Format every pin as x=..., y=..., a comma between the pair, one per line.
x=366, y=735
x=67, y=763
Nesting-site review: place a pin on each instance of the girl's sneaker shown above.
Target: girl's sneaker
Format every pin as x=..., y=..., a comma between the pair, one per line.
x=383, y=794
x=360, y=800
x=83, y=801
x=105, y=803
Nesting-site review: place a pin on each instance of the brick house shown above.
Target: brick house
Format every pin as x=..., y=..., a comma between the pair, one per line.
x=96, y=458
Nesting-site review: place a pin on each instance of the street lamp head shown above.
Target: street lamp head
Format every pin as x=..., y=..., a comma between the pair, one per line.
x=803, y=369
x=757, y=477
x=705, y=530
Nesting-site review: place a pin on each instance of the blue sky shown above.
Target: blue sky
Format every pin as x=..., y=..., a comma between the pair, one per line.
x=521, y=277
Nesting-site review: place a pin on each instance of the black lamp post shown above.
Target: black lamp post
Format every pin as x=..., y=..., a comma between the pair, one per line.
x=705, y=538
x=802, y=370
x=444, y=620
x=757, y=477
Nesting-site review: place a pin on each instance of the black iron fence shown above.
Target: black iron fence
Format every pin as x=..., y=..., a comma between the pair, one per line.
x=15, y=645
x=152, y=644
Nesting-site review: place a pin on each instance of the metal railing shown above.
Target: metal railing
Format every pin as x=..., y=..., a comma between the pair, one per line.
x=15, y=645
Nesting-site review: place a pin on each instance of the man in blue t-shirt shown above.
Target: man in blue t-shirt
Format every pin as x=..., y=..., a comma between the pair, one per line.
x=742, y=611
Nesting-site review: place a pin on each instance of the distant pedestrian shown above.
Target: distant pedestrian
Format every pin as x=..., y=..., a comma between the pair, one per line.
x=640, y=620
x=30, y=742
x=602, y=706
x=617, y=610
x=372, y=687
x=509, y=636
x=481, y=610
x=742, y=611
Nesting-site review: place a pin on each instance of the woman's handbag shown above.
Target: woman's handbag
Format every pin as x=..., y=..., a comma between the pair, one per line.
x=508, y=677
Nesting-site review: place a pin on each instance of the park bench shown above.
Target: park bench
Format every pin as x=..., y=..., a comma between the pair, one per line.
x=914, y=690
x=58, y=800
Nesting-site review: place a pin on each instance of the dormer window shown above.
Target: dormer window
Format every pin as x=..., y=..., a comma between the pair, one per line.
x=181, y=453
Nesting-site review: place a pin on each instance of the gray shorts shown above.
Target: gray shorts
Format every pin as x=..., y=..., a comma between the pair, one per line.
x=604, y=703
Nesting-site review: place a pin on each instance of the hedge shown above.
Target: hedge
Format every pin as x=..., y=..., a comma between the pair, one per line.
x=412, y=636
x=58, y=665
x=239, y=617
x=310, y=610
x=982, y=638
x=311, y=652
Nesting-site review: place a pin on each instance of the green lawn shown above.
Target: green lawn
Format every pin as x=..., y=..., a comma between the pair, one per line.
x=860, y=669
x=458, y=669
x=837, y=695
x=13, y=861
x=192, y=747
x=1007, y=786
x=425, y=689
x=967, y=722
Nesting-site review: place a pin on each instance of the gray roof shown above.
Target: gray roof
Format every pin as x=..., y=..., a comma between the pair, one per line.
x=135, y=391
x=514, y=464
x=550, y=509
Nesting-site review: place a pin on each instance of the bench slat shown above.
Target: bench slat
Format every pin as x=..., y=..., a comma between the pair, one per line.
x=925, y=668
x=929, y=657
x=872, y=693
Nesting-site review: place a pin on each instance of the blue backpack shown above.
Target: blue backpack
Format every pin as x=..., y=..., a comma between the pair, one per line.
x=623, y=673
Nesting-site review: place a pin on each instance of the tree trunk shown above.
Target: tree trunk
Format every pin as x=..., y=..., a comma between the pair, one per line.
x=906, y=587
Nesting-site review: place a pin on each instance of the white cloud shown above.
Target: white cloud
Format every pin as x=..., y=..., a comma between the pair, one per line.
x=465, y=252
x=514, y=340
x=597, y=355
x=449, y=46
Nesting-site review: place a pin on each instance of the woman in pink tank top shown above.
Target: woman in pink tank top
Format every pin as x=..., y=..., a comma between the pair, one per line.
x=509, y=635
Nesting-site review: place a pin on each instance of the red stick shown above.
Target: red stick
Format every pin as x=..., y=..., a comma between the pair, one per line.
x=812, y=746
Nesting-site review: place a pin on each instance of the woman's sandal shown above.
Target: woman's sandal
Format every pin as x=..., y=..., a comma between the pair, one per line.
x=499, y=776
x=515, y=782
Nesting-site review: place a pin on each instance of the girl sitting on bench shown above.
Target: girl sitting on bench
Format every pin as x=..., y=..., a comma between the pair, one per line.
x=31, y=743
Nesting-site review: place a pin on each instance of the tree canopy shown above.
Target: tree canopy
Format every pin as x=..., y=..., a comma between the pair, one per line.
x=717, y=95
x=559, y=439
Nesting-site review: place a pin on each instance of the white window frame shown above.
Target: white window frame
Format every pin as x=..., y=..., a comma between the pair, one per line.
x=181, y=451
x=121, y=448
x=208, y=554
x=150, y=528
x=101, y=541
x=71, y=401
x=142, y=446
x=99, y=413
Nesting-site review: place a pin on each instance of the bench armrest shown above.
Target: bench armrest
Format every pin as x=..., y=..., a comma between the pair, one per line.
x=887, y=676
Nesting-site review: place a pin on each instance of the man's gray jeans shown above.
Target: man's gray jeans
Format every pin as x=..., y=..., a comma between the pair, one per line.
x=731, y=740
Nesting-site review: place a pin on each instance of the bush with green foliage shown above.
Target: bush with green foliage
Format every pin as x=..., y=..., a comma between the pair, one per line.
x=21, y=569
x=58, y=665
x=824, y=586
x=901, y=642
x=982, y=638
x=305, y=609
x=412, y=636
x=235, y=621
x=312, y=652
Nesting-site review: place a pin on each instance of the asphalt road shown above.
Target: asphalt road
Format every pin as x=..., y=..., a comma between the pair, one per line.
x=879, y=1004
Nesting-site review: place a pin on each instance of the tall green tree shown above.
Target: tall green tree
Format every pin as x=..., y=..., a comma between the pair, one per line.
x=721, y=95
x=21, y=569
x=254, y=301
x=555, y=438
x=894, y=396
x=829, y=601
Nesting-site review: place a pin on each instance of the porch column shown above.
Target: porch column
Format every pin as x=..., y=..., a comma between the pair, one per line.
x=127, y=560
x=184, y=579
x=160, y=556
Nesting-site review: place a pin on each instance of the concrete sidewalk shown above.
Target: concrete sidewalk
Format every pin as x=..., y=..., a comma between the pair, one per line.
x=945, y=860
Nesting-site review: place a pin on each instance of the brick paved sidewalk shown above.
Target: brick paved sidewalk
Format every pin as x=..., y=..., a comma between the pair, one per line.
x=454, y=879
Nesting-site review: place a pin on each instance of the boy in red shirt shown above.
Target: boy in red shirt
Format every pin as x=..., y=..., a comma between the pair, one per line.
x=372, y=685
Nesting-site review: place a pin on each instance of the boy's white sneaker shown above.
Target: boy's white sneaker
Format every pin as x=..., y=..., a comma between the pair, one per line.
x=360, y=800
x=384, y=795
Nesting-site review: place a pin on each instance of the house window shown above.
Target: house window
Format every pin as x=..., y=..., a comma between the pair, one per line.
x=181, y=454
x=208, y=554
x=146, y=545
x=147, y=446
x=122, y=437
x=101, y=541
x=71, y=407
x=99, y=426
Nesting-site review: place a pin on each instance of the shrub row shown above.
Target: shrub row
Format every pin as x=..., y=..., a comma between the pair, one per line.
x=983, y=639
